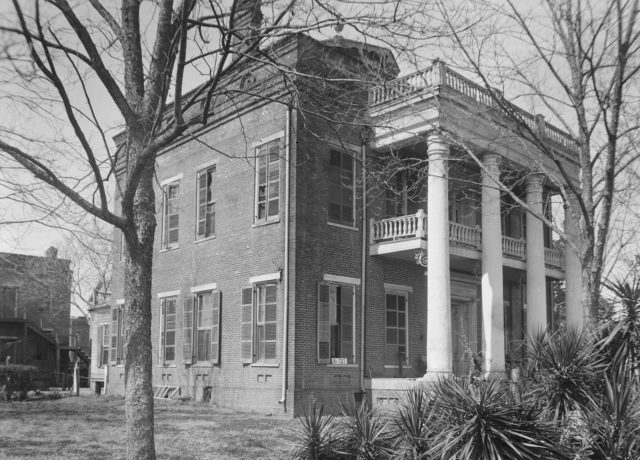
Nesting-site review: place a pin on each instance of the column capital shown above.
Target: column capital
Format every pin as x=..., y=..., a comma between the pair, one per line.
x=491, y=159
x=533, y=182
x=437, y=145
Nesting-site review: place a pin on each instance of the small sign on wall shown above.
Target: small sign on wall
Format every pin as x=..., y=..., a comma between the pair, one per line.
x=338, y=360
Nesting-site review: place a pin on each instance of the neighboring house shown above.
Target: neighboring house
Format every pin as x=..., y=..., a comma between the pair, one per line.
x=35, y=298
x=284, y=274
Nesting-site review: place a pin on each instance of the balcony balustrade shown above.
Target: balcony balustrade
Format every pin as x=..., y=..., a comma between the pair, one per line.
x=415, y=226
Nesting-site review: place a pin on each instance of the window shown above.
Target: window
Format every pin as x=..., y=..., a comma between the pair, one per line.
x=202, y=328
x=395, y=197
x=117, y=332
x=396, y=350
x=171, y=216
x=167, y=330
x=8, y=301
x=259, y=332
x=206, y=211
x=336, y=323
x=104, y=337
x=341, y=188
x=268, y=182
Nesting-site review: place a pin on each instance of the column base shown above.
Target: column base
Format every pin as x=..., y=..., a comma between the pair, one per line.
x=497, y=375
x=434, y=376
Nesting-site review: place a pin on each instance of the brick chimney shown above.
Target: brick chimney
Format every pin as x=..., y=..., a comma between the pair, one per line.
x=246, y=26
x=52, y=252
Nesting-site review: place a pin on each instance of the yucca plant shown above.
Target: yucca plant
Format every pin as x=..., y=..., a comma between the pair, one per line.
x=564, y=370
x=366, y=434
x=483, y=421
x=613, y=422
x=413, y=427
x=317, y=437
x=622, y=338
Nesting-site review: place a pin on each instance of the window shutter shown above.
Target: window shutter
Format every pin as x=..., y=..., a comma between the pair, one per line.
x=324, y=325
x=113, y=352
x=187, y=337
x=100, y=341
x=246, y=335
x=165, y=217
x=346, y=322
x=215, y=327
x=202, y=203
x=161, y=341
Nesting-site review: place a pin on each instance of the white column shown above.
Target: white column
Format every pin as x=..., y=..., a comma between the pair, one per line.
x=439, y=333
x=492, y=281
x=536, y=281
x=573, y=268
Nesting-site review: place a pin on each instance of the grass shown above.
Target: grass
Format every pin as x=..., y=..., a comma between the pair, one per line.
x=93, y=427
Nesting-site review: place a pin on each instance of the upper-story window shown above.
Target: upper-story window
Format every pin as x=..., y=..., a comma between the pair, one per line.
x=395, y=198
x=341, y=188
x=117, y=335
x=267, y=194
x=104, y=339
x=170, y=215
x=206, y=210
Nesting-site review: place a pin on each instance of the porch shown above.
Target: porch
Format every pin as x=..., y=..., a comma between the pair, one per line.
x=400, y=237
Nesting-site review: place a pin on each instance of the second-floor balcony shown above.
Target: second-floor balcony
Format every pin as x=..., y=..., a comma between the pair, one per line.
x=397, y=235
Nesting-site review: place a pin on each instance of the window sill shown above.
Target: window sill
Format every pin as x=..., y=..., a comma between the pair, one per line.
x=167, y=366
x=344, y=365
x=208, y=238
x=395, y=366
x=173, y=248
x=264, y=365
x=201, y=365
x=268, y=222
x=347, y=227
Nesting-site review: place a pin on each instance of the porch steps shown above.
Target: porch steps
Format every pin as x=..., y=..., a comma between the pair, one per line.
x=165, y=392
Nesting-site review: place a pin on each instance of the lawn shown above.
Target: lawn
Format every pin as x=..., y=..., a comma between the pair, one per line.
x=92, y=427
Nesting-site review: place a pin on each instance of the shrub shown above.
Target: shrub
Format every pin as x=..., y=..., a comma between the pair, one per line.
x=317, y=437
x=482, y=420
x=366, y=434
x=413, y=427
x=564, y=370
x=17, y=379
x=613, y=422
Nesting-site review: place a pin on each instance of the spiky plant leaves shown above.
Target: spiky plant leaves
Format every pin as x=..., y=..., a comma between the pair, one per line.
x=565, y=369
x=613, y=422
x=622, y=339
x=482, y=420
x=365, y=432
x=412, y=424
x=317, y=436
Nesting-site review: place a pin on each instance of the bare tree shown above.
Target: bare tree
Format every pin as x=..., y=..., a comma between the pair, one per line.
x=578, y=62
x=71, y=63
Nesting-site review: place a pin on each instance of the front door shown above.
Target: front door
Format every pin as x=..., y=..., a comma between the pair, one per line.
x=465, y=341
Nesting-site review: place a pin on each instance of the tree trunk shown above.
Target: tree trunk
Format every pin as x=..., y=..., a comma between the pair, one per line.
x=138, y=360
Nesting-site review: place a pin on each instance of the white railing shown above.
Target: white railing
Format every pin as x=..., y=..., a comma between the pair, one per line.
x=439, y=75
x=463, y=234
x=514, y=247
x=554, y=257
x=411, y=226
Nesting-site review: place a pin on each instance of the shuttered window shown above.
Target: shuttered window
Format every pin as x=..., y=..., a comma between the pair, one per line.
x=170, y=215
x=168, y=316
x=117, y=332
x=259, y=329
x=187, y=332
x=206, y=327
x=267, y=194
x=206, y=211
x=104, y=339
x=336, y=312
